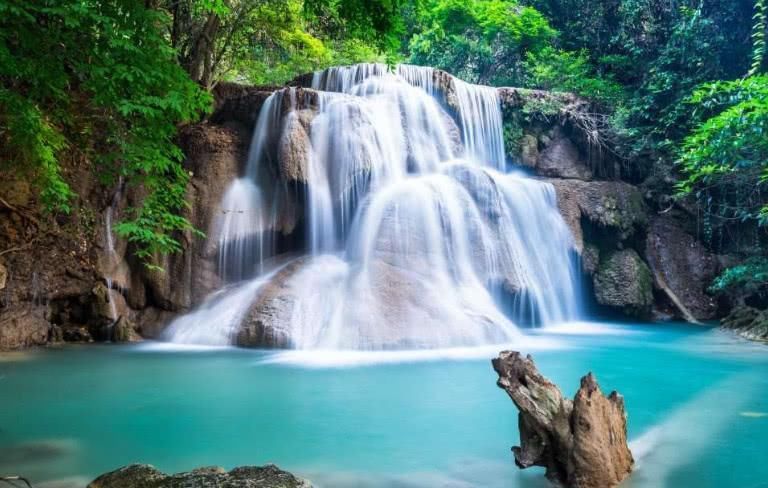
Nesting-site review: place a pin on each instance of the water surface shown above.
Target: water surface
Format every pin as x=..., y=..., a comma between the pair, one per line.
x=697, y=400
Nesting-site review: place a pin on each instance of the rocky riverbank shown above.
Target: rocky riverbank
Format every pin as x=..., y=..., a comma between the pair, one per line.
x=146, y=476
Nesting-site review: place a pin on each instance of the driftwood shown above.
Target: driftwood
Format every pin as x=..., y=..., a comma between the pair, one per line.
x=581, y=442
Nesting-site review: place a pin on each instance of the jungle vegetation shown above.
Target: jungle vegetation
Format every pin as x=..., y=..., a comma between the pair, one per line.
x=682, y=86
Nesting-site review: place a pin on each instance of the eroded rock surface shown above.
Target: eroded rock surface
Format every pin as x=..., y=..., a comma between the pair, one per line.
x=748, y=322
x=623, y=281
x=682, y=263
x=614, y=207
x=581, y=443
x=146, y=476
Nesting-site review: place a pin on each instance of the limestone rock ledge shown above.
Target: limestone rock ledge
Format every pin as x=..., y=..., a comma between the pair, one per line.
x=581, y=443
x=146, y=476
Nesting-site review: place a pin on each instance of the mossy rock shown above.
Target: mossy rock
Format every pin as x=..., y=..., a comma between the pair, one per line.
x=623, y=281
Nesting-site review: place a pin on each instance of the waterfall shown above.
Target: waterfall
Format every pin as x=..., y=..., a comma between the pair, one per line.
x=417, y=236
x=109, y=245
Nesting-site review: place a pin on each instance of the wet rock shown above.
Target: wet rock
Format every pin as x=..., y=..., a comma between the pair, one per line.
x=124, y=330
x=76, y=333
x=613, y=208
x=34, y=452
x=267, y=323
x=529, y=150
x=294, y=150
x=581, y=443
x=239, y=103
x=561, y=159
x=454, y=133
x=748, y=322
x=22, y=326
x=146, y=476
x=151, y=322
x=682, y=265
x=623, y=281
x=590, y=259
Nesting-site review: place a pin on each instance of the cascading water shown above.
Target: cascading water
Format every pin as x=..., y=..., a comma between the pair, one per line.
x=416, y=234
x=109, y=244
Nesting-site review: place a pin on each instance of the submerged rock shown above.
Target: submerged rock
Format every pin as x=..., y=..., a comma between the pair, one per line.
x=146, y=476
x=623, y=281
x=581, y=443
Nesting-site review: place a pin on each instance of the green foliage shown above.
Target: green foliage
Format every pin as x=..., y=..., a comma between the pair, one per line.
x=725, y=159
x=482, y=41
x=282, y=46
x=758, y=36
x=100, y=76
x=31, y=144
x=553, y=69
x=748, y=277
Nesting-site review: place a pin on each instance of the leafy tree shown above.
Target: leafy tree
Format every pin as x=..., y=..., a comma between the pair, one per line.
x=271, y=41
x=570, y=71
x=97, y=77
x=279, y=44
x=725, y=158
x=482, y=41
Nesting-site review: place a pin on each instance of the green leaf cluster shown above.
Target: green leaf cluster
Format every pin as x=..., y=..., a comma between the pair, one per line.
x=725, y=158
x=98, y=80
x=748, y=277
x=482, y=41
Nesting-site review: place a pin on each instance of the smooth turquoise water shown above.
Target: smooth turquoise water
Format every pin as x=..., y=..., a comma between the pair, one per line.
x=697, y=401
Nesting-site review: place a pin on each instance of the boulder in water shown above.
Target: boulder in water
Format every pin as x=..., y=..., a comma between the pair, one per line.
x=146, y=476
x=267, y=323
x=581, y=443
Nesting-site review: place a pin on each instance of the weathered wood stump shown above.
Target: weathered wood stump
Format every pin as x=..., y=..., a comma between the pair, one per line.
x=582, y=442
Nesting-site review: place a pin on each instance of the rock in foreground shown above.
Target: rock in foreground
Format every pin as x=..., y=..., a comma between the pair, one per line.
x=581, y=443
x=146, y=476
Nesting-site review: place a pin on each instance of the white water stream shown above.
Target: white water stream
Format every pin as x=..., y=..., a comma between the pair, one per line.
x=417, y=239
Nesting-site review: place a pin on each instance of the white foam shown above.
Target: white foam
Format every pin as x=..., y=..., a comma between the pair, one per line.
x=151, y=346
x=587, y=328
x=352, y=358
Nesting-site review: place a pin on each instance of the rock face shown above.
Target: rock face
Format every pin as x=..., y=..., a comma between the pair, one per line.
x=748, y=322
x=23, y=327
x=623, y=281
x=683, y=265
x=268, y=320
x=294, y=151
x=581, y=443
x=146, y=476
x=561, y=159
x=614, y=207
